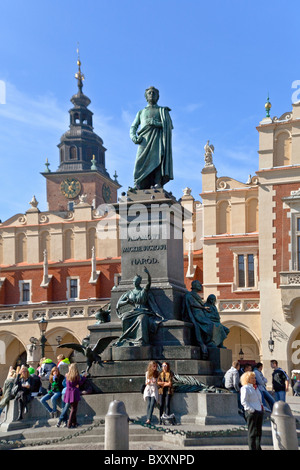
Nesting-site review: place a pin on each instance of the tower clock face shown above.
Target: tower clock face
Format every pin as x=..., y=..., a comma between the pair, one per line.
x=70, y=187
x=106, y=193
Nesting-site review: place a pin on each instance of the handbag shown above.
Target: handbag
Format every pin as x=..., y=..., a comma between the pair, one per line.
x=143, y=388
x=14, y=391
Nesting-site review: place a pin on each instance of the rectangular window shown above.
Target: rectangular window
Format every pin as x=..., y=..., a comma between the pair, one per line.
x=70, y=206
x=241, y=269
x=251, y=280
x=73, y=288
x=298, y=243
x=245, y=267
x=294, y=264
x=25, y=292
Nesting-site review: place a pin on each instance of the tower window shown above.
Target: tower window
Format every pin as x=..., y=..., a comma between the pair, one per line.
x=73, y=153
x=70, y=206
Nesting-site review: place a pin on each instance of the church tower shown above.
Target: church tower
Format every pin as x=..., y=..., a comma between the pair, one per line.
x=81, y=169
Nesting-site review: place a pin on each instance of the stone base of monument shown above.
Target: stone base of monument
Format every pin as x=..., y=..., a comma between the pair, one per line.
x=193, y=408
x=215, y=408
x=170, y=333
x=124, y=371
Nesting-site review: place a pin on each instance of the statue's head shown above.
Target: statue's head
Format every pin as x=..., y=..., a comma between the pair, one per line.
x=211, y=299
x=196, y=285
x=137, y=280
x=152, y=95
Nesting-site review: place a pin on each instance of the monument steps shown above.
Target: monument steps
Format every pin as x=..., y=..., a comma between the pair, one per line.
x=42, y=438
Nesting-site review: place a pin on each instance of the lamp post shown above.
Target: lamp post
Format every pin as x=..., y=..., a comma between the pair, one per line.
x=34, y=342
x=271, y=342
x=241, y=353
x=43, y=327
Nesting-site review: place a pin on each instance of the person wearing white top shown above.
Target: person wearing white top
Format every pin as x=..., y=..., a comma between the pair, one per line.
x=252, y=402
x=151, y=389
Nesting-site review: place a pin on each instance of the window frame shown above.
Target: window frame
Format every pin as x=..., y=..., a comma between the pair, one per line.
x=245, y=252
x=69, y=287
x=29, y=291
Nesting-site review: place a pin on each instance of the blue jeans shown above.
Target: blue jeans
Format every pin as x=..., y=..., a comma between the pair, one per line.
x=150, y=407
x=238, y=396
x=54, y=397
x=267, y=399
x=64, y=413
x=280, y=395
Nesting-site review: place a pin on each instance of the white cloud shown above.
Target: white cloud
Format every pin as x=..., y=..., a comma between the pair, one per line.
x=42, y=111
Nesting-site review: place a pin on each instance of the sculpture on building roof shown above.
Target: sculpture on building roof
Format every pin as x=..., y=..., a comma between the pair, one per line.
x=209, y=150
x=154, y=163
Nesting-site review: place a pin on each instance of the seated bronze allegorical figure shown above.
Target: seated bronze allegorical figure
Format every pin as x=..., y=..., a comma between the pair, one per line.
x=139, y=313
x=209, y=331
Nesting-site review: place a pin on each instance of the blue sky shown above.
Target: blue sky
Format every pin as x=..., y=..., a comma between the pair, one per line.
x=213, y=62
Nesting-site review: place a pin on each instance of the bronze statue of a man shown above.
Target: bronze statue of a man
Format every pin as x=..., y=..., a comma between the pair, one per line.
x=154, y=163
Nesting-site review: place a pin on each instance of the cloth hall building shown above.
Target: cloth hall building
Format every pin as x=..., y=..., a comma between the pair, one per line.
x=242, y=243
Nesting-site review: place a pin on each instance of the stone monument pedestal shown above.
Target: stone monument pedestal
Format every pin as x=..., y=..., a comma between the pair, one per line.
x=151, y=232
x=218, y=408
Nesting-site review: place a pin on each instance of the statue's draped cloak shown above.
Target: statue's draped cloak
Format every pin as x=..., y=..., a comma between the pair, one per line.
x=140, y=317
x=156, y=147
x=208, y=329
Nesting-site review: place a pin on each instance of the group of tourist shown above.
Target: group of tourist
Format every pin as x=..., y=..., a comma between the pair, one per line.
x=24, y=383
x=158, y=390
x=253, y=397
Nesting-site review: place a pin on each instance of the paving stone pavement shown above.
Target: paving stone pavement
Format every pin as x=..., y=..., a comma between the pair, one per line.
x=141, y=438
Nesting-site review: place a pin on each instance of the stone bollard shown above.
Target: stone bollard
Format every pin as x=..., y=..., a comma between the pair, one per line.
x=116, y=427
x=284, y=433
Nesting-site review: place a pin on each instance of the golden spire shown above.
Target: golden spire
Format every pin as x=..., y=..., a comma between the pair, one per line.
x=268, y=107
x=79, y=75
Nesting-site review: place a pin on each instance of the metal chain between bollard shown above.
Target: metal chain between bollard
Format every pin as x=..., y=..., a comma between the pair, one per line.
x=174, y=431
x=193, y=434
x=189, y=434
x=19, y=444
